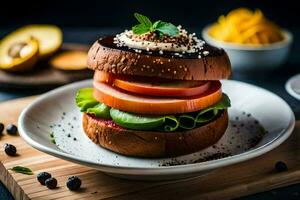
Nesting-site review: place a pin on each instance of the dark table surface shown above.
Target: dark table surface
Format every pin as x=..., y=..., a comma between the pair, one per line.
x=273, y=81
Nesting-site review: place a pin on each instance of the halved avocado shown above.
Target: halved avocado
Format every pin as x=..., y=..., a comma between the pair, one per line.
x=49, y=38
x=20, y=56
x=69, y=60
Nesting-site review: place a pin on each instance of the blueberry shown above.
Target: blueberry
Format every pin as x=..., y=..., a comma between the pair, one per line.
x=73, y=183
x=281, y=166
x=11, y=129
x=51, y=183
x=43, y=176
x=10, y=149
x=1, y=128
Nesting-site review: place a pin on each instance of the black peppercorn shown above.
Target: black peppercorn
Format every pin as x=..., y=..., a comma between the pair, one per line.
x=11, y=129
x=73, y=183
x=10, y=149
x=1, y=128
x=281, y=166
x=51, y=183
x=43, y=176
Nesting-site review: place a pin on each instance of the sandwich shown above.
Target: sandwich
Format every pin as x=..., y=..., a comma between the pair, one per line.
x=156, y=91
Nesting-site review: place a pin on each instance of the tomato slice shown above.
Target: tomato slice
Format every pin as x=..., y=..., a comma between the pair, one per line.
x=165, y=90
x=163, y=87
x=136, y=103
x=104, y=77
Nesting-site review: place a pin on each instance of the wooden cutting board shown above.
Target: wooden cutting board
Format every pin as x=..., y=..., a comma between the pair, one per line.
x=234, y=181
x=44, y=76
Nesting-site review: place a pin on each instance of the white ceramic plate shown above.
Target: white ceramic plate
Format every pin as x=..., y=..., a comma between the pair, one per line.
x=292, y=86
x=252, y=108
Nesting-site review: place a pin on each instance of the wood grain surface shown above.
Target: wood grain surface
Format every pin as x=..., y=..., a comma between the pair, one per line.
x=45, y=77
x=234, y=181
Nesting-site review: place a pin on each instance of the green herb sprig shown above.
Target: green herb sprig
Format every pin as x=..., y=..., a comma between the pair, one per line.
x=22, y=170
x=160, y=27
x=52, y=138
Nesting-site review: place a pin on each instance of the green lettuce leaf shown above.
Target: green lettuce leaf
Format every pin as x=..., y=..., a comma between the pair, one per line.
x=135, y=121
x=209, y=113
x=100, y=110
x=87, y=103
x=171, y=123
x=144, y=122
x=187, y=121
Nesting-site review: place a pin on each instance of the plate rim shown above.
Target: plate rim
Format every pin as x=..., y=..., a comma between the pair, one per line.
x=158, y=170
x=288, y=86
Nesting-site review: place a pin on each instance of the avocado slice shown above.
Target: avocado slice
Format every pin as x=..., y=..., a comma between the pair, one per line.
x=49, y=37
x=19, y=56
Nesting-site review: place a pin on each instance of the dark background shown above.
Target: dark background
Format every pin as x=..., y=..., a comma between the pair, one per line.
x=84, y=21
x=118, y=13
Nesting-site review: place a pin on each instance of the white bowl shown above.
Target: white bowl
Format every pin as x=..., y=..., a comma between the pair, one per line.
x=254, y=58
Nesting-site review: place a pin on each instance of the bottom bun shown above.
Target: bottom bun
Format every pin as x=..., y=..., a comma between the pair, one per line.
x=151, y=143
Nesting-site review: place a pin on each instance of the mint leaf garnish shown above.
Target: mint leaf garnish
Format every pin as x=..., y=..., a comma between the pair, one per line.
x=146, y=26
x=166, y=28
x=22, y=170
x=143, y=19
x=140, y=29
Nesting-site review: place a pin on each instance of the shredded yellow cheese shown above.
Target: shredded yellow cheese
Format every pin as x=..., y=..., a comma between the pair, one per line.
x=244, y=26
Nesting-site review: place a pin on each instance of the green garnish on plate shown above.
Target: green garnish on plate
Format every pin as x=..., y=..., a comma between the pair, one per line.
x=22, y=170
